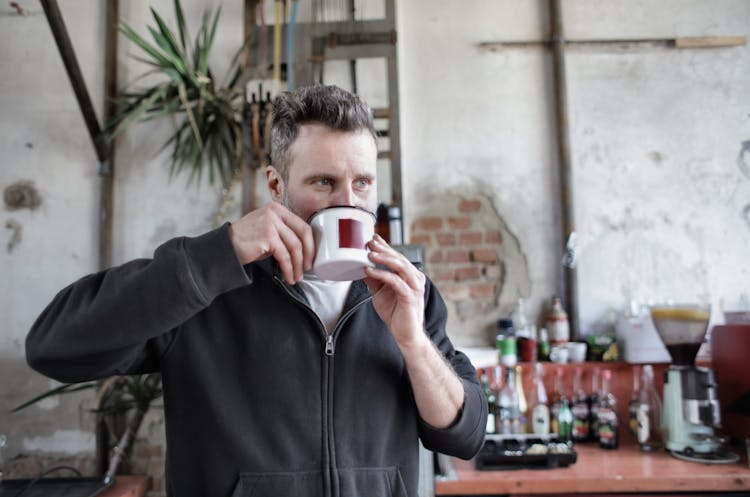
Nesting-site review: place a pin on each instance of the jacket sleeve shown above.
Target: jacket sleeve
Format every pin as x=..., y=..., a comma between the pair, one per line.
x=122, y=320
x=465, y=437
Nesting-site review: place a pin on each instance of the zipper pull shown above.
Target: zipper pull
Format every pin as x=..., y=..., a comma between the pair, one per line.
x=329, y=345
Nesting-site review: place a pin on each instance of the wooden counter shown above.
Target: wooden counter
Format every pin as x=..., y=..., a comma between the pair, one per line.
x=626, y=469
x=128, y=486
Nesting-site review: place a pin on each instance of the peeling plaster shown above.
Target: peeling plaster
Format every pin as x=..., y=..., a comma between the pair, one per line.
x=72, y=442
x=743, y=159
x=21, y=195
x=15, y=236
x=479, y=329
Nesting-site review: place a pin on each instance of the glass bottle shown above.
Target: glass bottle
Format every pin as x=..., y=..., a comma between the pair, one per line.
x=491, y=402
x=580, y=408
x=540, y=420
x=505, y=341
x=542, y=345
x=523, y=407
x=649, y=412
x=508, y=412
x=557, y=395
x=557, y=323
x=634, y=402
x=594, y=395
x=609, y=424
x=565, y=422
x=520, y=323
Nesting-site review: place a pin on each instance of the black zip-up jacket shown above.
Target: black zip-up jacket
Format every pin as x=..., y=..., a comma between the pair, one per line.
x=258, y=398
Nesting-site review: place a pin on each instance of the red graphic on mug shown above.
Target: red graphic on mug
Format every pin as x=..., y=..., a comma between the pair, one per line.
x=351, y=234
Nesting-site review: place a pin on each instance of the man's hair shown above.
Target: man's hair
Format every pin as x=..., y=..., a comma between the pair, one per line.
x=331, y=106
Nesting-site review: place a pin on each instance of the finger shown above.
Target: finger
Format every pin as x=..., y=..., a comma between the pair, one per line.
x=283, y=257
x=392, y=280
x=396, y=262
x=304, y=233
x=293, y=246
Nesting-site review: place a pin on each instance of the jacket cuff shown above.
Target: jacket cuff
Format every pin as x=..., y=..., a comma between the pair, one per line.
x=213, y=263
x=465, y=436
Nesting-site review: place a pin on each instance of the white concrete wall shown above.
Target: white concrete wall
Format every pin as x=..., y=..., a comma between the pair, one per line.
x=656, y=135
x=661, y=188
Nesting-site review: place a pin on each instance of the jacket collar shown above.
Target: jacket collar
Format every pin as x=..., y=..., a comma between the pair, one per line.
x=357, y=293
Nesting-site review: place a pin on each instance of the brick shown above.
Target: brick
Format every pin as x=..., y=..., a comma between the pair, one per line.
x=459, y=223
x=468, y=273
x=470, y=238
x=484, y=306
x=443, y=275
x=421, y=239
x=456, y=293
x=482, y=290
x=465, y=310
x=469, y=206
x=493, y=237
x=446, y=239
x=484, y=255
x=428, y=224
x=435, y=257
x=493, y=271
x=458, y=256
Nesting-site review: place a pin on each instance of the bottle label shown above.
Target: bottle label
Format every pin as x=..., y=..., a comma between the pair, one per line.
x=643, y=424
x=607, y=428
x=540, y=424
x=490, y=423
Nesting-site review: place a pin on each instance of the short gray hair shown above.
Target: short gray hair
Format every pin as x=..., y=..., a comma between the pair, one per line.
x=328, y=105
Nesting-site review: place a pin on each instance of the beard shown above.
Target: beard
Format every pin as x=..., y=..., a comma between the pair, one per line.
x=287, y=202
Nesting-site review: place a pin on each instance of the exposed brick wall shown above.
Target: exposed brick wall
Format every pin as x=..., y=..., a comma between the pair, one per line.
x=148, y=459
x=464, y=254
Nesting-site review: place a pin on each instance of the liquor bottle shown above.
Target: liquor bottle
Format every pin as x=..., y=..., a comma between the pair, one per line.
x=508, y=413
x=557, y=323
x=609, y=424
x=491, y=402
x=634, y=403
x=505, y=341
x=523, y=407
x=580, y=408
x=565, y=422
x=557, y=395
x=540, y=422
x=594, y=404
x=542, y=345
x=649, y=412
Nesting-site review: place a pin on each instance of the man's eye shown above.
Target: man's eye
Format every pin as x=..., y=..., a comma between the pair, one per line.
x=325, y=182
x=362, y=183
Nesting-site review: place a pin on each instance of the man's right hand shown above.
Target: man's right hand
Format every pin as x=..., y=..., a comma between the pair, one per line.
x=275, y=231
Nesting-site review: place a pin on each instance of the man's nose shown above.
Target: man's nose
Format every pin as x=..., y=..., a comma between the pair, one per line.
x=346, y=196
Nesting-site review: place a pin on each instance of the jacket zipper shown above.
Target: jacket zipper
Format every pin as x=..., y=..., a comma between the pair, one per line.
x=330, y=488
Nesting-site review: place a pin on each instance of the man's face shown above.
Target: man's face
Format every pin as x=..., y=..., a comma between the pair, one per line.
x=327, y=168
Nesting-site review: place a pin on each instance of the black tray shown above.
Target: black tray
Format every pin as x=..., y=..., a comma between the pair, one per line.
x=511, y=452
x=53, y=487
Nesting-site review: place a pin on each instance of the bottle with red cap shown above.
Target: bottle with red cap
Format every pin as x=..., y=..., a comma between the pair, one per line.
x=608, y=423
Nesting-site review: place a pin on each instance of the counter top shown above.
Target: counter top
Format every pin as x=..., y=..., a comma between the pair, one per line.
x=626, y=469
x=128, y=486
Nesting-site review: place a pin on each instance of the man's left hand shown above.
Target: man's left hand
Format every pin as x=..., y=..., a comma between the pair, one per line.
x=397, y=293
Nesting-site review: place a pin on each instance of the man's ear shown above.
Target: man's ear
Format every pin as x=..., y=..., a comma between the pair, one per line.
x=275, y=183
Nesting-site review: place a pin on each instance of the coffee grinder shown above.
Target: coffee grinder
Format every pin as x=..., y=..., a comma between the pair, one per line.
x=691, y=408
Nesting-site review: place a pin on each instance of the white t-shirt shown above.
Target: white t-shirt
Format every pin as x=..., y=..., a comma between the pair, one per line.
x=327, y=298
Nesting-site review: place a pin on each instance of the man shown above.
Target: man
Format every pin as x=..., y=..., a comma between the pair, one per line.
x=277, y=383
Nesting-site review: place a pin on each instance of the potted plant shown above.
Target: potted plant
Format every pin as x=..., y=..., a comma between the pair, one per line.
x=207, y=115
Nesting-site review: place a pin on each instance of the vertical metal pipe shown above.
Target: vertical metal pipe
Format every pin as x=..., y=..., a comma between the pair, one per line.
x=570, y=281
x=60, y=33
x=107, y=172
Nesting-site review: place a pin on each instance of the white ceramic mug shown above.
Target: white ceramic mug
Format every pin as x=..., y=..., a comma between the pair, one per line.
x=559, y=354
x=577, y=351
x=341, y=235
